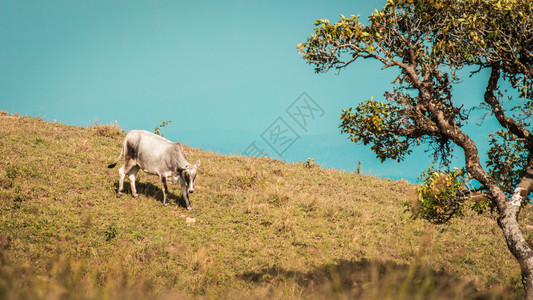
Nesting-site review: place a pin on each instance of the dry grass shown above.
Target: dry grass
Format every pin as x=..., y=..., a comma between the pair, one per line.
x=262, y=229
x=108, y=130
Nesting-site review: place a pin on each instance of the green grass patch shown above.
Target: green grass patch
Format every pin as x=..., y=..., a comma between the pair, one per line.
x=261, y=229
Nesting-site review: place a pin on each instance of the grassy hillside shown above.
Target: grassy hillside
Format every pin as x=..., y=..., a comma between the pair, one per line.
x=261, y=229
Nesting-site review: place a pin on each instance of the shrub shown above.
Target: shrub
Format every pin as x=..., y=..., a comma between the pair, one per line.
x=441, y=195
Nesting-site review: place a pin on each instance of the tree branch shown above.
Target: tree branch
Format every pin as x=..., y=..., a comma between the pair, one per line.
x=506, y=122
x=449, y=129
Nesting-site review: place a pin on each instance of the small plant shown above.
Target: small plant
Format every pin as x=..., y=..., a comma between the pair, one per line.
x=309, y=163
x=277, y=200
x=247, y=180
x=19, y=197
x=358, y=169
x=110, y=233
x=162, y=124
x=12, y=172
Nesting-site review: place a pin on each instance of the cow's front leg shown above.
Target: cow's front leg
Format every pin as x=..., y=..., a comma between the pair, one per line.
x=185, y=195
x=165, y=190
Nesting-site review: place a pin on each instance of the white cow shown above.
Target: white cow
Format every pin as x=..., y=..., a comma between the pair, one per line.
x=158, y=156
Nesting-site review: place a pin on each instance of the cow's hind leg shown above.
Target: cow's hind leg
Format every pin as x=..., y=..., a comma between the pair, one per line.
x=123, y=171
x=122, y=175
x=165, y=190
x=131, y=174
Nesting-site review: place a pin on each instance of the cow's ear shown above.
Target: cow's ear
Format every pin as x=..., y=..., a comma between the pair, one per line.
x=197, y=164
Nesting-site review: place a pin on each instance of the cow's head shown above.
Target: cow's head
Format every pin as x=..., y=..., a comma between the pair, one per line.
x=188, y=174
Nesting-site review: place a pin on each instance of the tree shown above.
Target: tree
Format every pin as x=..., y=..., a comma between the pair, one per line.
x=429, y=42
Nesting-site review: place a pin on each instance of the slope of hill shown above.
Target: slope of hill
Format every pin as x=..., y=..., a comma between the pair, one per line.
x=261, y=228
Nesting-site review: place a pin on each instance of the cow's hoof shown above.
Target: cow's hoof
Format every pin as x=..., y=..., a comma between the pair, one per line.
x=190, y=208
x=119, y=195
x=136, y=196
x=166, y=204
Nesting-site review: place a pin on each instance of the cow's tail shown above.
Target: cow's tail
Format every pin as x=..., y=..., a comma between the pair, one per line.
x=120, y=155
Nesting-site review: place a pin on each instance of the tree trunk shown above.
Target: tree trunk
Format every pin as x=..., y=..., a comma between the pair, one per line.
x=508, y=222
x=508, y=209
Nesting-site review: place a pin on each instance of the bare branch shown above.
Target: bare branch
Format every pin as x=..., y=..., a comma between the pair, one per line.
x=506, y=122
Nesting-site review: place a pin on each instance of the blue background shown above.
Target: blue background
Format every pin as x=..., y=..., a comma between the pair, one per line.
x=222, y=72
